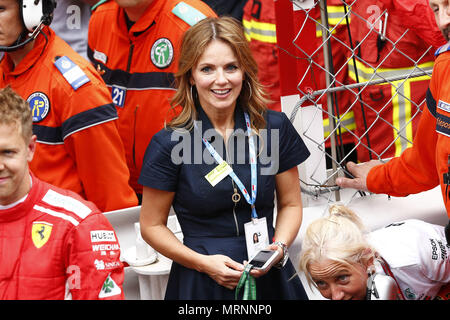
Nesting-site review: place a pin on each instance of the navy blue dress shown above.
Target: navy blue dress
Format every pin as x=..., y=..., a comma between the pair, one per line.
x=178, y=161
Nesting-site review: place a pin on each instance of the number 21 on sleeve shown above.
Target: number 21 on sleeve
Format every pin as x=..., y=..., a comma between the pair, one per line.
x=118, y=95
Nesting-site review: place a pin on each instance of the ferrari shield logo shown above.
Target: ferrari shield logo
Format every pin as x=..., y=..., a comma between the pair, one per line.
x=40, y=233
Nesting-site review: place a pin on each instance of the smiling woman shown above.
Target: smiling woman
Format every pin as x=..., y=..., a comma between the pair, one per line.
x=222, y=105
x=221, y=46
x=218, y=80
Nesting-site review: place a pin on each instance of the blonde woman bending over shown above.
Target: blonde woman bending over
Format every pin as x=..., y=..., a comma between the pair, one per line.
x=405, y=260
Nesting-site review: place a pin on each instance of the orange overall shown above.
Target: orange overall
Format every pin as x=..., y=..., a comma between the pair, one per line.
x=78, y=143
x=138, y=65
x=426, y=164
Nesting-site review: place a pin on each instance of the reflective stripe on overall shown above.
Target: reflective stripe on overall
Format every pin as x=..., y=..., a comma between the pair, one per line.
x=336, y=17
x=401, y=96
x=261, y=31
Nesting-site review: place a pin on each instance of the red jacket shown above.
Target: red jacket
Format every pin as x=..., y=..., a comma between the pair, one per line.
x=260, y=30
x=55, y=245
x=418, y=16
x=138, y=65
x=339, y=42
x=423, y=166
x=79, y=147
x=410, y=30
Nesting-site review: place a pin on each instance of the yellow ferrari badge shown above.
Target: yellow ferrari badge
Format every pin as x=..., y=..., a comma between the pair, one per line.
x=40, y=233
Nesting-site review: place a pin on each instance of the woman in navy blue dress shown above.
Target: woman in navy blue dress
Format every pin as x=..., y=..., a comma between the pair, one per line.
x=222, y=143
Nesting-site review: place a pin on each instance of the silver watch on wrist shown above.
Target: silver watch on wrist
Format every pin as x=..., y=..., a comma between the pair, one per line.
x=285, y=257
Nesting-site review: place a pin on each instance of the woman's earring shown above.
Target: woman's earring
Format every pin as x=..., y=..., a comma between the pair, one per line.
x=371, y=269
x=250, y=87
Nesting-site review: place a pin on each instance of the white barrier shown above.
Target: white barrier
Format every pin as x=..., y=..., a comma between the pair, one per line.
x=376, y=211
x=148, y=281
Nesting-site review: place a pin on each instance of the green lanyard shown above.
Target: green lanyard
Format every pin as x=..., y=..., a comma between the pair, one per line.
x=249, y=284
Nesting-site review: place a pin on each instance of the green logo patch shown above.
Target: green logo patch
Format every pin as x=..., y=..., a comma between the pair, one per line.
x=162, y=53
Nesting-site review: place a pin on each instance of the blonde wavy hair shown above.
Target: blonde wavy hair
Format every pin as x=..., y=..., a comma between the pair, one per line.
x=252, y=98
x=339, y=237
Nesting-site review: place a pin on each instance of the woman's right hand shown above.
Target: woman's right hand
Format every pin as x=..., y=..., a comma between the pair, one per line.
x=224, y=270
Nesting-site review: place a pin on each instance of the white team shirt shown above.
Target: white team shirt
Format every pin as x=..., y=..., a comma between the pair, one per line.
x=418, y=256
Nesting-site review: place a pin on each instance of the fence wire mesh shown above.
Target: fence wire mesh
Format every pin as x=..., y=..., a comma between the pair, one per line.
x=369, y=74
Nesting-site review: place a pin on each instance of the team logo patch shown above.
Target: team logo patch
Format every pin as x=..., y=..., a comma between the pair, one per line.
x=410, y=295
x=103, y=236
x=109, y=288
x=40, y=233
x=162, y=53
x=39, y=105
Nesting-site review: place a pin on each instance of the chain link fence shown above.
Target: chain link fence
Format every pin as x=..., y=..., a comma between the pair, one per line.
x=365, y=84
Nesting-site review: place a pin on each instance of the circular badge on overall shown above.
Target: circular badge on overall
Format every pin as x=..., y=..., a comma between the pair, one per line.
x=65, y=64
x=39, y=105
x=162, y=53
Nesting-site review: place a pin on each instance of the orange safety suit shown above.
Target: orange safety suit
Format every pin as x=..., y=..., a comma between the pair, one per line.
x=392, y=109
x=426, y=164
x=78, y=144
x=138, y=65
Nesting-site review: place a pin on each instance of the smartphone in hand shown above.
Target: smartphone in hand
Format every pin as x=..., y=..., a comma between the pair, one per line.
x=264, y=259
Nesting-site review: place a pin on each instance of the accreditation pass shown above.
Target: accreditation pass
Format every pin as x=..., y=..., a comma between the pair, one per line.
x=218, y=173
